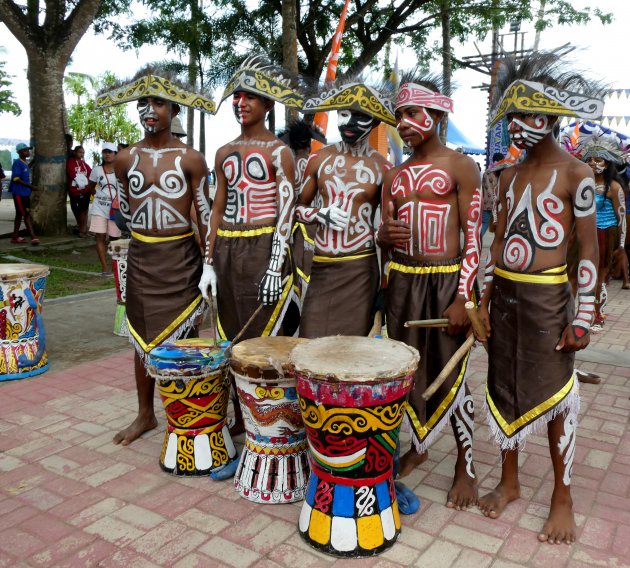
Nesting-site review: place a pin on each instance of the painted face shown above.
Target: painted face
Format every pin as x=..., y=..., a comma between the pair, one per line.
x=415, y=124
x=527, y=130
x=155, y=114
x=598, y=165
x=354, y=126
x=248, y=107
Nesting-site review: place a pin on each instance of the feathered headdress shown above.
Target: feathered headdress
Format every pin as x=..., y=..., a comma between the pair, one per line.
x=541, y=83
x=605, y=146
x=147, y=83
x=352, y=95
x=259, y=76
x=298, y=135
x=588, y=140
x=420, y=89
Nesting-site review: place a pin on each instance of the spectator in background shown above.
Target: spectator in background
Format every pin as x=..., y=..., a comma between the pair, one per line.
x=490, y=185
x=122, y=146
x=103, y=185
x=21, y=188
x=78, y=173
x=177, y=129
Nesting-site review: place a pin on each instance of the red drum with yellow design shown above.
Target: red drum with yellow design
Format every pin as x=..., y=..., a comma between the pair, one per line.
x=192, y=382
x=353, y=392
x=274, y=465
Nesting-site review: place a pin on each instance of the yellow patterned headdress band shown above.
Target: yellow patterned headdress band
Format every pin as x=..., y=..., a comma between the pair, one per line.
x=158, y=87
x=537, y=98
x=257, y=75
x=354, y=96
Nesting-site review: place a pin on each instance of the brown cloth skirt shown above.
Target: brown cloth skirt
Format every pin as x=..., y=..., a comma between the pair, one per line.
x=163, y=298
x=415, y=291
x=241, y=258
x=529, y=382
x=340, y=296
x=303, y=249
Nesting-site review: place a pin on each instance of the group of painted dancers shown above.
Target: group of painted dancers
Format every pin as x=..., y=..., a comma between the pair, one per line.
x=283, y=232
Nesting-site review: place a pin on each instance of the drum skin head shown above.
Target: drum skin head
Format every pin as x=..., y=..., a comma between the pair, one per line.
x=15, y=271
x=264, y=353
x=354, y=359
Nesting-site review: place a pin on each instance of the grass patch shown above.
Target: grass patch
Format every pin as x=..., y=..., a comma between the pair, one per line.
x=61, y=283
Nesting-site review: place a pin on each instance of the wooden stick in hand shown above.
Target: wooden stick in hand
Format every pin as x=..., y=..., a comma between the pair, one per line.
x=228, y=351
x=439, y=322
x=449, y=367
x=476, y=322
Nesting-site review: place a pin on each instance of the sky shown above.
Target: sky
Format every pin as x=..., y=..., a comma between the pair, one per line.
x=597, y=45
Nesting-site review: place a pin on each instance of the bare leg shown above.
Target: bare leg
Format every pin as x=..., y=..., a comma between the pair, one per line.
x=100, y=250
x=560, y=525
x=508, y=489
x=82, y=221
x=145, y=420
x=238, y=427
x=28, y=221
x=463, y=492
x=410, y=461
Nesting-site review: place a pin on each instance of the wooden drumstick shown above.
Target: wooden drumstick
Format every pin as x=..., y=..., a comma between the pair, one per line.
x=243, y=330
x=439, y=322
x=378, y=324
x=477, y=324
x=449, y=367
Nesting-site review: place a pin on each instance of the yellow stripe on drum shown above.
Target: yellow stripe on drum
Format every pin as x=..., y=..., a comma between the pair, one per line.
x=319, y=528
x=370, y=532
x=396, y=515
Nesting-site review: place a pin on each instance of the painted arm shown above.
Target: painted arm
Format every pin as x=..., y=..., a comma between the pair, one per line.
x=121, y=166
x=619, y=204
x=201, y=197
x=332, y=216
x=271, y=284
x=576, y=335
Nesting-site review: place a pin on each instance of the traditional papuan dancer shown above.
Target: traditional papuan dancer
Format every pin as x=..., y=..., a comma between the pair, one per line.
x=252, y=213
x=602, y=154
x=340, y=193
x=428, y=202
x=532, y=326
x=160, y=180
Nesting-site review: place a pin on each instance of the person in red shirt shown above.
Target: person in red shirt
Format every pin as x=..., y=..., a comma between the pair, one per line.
x=78, y=173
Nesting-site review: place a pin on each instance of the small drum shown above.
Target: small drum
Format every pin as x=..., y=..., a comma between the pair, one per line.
x=274, y=465
x=22, y=337
x=193, y=384
x=118, y=251
x=353, y=392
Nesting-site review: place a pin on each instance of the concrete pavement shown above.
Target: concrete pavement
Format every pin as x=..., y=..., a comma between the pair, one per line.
x=69, y=497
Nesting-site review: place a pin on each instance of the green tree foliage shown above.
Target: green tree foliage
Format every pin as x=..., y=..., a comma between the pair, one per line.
x=7, y=103
x=88, y=124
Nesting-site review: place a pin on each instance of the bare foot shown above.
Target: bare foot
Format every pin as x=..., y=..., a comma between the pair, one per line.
x=410, y=461
x=588, y=378
x=560, y=525
x=493, y=504
x=138, y=427
x=463, y=492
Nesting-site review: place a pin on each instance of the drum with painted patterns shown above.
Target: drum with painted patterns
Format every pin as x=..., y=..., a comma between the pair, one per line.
x=274, y=465
x=22, y=336
x=352, y=392
x=192, y=381
x=118, y=251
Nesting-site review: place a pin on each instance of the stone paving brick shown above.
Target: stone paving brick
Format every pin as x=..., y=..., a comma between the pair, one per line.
x=293, y=557
x=271, y=536
x=471, y=538
x=19, y=543
x=520, y=546
x=64, y=548
x=205, y=522
x=474, y=559
x=139, y=517
x=229, y=552
x=114, y=530
x=440, y=554
x=177, y=548
x=127, y=558
x=96, y=511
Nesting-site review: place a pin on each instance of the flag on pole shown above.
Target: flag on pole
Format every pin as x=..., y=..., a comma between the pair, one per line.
x=395, y=141
x=321, y=118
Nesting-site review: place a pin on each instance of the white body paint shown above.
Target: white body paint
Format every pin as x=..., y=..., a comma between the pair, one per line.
x=566, y=446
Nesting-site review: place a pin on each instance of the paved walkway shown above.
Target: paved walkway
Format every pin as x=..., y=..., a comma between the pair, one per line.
x=69, y=497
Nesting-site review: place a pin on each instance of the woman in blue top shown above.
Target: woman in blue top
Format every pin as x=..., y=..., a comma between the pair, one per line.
x=602, y=156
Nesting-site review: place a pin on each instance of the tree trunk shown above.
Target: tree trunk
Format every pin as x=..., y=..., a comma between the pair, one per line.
x=447, y=68
x=289, y=46
x=45, y=79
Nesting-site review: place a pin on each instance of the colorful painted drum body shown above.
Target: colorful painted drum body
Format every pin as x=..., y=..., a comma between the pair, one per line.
x=274, y=465
x=192, y=382
x=353, y=392
x=22, y=336
x=118, y=251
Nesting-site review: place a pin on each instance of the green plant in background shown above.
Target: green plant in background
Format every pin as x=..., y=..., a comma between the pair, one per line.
x=86, y=123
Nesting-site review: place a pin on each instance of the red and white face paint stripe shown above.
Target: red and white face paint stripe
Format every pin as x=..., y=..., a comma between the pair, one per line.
x=470, y=262
x=422, y=126
x=238, y=104
x=412, y=94
x=587, y=278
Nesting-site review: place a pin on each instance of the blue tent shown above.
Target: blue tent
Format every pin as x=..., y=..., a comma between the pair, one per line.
x=457, y=138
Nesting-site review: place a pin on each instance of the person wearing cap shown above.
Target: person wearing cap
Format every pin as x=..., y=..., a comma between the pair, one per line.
x=103, y=185
x=532, y=326
x=340, y=193
x=160, y=180
x=21, y=188
x=177, y=129
x=430, y=235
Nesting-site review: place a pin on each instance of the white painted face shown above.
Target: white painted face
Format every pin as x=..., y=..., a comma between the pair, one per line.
x=148, y=116
x=527, y=130
x=354, y=126
x=598, y=165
